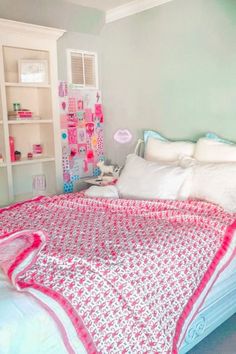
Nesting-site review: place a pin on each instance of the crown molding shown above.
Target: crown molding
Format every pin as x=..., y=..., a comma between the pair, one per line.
x=132, y=8
x=22, y=27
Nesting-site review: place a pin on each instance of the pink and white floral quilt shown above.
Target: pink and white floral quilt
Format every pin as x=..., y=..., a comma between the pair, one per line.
x=126, y=272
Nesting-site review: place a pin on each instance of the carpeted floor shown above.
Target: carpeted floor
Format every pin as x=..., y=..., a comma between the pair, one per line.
x=221, y=341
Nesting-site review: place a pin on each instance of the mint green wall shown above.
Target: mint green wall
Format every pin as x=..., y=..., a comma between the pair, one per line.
x=171, y=68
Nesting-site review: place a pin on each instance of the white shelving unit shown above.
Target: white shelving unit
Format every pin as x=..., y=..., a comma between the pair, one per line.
x=29, y=121
x=24, y=41
x=18, y=84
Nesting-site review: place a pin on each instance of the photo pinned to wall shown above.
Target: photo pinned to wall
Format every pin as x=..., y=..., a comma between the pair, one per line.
x=39, y=185
x=82, y=123
x=33, y=71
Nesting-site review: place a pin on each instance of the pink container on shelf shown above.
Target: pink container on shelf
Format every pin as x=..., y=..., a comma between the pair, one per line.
x=37, y=149
x=12, y=148
x=24, y=114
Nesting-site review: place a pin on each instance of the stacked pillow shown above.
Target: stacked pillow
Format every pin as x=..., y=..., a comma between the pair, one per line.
x=158, y=148
x=180, y=170
x=142, y=179
x=215, y=183
x=211, y=150
x=214, y=174
x=205, y=170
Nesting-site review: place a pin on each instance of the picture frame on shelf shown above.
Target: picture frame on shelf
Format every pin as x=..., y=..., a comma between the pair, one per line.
x=33, y=71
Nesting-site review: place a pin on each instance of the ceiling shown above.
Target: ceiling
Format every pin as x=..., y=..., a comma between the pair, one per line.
x=104, y=5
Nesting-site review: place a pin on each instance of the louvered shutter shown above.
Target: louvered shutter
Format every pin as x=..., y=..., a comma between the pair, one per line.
x=82, y=68
x=77, y=71
x=89, y=70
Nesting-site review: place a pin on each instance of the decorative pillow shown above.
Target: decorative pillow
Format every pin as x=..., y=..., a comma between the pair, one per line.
x=215, y=183
x=159, y=150
x=215, y=137
x=152, y=134
x=102, y=192
x=209, y=150
x=141, y=179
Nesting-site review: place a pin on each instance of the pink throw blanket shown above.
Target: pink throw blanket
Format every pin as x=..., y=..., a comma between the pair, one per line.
x=126, y=272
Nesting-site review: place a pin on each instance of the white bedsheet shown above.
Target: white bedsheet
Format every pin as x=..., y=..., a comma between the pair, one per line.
x=27, y=328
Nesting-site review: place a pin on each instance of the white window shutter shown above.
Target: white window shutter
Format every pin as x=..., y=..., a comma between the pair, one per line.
x=90, y=70
x=77, y=71
x=82, y=68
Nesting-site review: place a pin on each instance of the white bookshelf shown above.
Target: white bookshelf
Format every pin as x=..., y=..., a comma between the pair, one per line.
x=28, y=42
x=30, y=121
x=18, y=84
x=25, y=161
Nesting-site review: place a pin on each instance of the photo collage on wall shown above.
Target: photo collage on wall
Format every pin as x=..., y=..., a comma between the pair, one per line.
x=81, y=133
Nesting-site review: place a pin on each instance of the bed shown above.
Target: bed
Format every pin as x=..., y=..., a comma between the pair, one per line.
x=22, y=313
x=39, y=313
x=145, y=266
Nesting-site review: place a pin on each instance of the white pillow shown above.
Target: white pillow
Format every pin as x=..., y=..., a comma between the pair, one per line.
x=215, y=183
x=209, y=150
x=141, y=179
x=102, y=192
x=159, y=150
